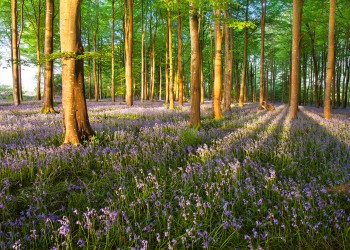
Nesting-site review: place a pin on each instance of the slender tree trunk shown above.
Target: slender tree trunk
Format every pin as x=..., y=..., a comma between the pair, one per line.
x=242, y=93
x=14, y=55
x=218, y=64
x=75, y=116
x=262, y=55
x=195, y=120
x=331, y=59
x=347, y=78
x=94, y=66
x=128, y=50
x=295, y=74
x=179, y=60
x=153, y=67
x=304, y=79
x=113, y=57
x=142, y=54
x=228, y=64
x=170, y=53
x=160, y=82
x=38, y=41
x=48, y=80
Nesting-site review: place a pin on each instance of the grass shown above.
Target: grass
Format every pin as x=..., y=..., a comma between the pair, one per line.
x=147, y=181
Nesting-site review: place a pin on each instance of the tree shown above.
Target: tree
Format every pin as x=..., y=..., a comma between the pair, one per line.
x=75, y=116
x=295, y=74
x=330, y=68
x=243, y=92
x=262, y=55
x=218, y=63
x=195, y=70
x=112, y=56
x=129, y=24
x=170, y=58
x=179, y=59
x=228, y=62
x=15, y=54
x=48, y=80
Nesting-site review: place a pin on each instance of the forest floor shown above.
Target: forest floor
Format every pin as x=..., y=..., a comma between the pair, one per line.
x=147, y=181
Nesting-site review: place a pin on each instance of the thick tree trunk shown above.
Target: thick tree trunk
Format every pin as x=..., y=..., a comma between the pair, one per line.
x=14, y=55
x=179, y=60
x=217, y=113
x=331, y=59
x=195, y=70
x=75, y=116
x=295, y=74
x=128, y=50
x=48, y=80
x=242, y=93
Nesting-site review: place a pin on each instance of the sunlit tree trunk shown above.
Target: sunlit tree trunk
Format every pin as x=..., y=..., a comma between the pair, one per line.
x=171, y=71
x=14, y=55
x=195, y=120
x=218, y=64
x=129, y=24
x=295, y=74
x=160, y=82
x=331, y=59
x=243, y=91
x=113, y=57
x=95, y=69
x=262, y=97
x=48, y=79
x=75, y=116
x=179, y=60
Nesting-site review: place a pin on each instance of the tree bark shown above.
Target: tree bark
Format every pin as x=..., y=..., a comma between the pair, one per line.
x=262, y=97
x=295, y=74
x=217, y=113
x=179, y=60
x=228, y=63
x=170, y=53
x=14, y=54
x=129, y=26
x=331, y=59
x=48, y=80
x=242, y=93
x=75, y=116
x=113, y=56
x=195, y=70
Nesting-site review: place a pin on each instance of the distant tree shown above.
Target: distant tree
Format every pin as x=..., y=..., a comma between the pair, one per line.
x=48, y=80
x=170, y=58
x=331, y=59
x=295, y=74
x=243, y=92
x=128, y=29
x=75, y=116
x=113, y=55
x=179, y=59
x=195, y=70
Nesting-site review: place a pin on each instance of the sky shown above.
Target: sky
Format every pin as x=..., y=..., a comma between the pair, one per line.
x=28, y=73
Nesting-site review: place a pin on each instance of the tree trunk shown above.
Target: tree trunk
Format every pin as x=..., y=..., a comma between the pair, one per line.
x=331, y=59
x=75, y=116
x=160, y=82
x=113, y=57
x=48, y=80
x=218, y=64
x=179, y=60
x=37, y=34
x=242, y=93
x=262, y=97
x=228, y=64
x=95, y=69
x=14, y=55
x=170, y=53
x=295, y=74
x=195, y=120
x=128, y=50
